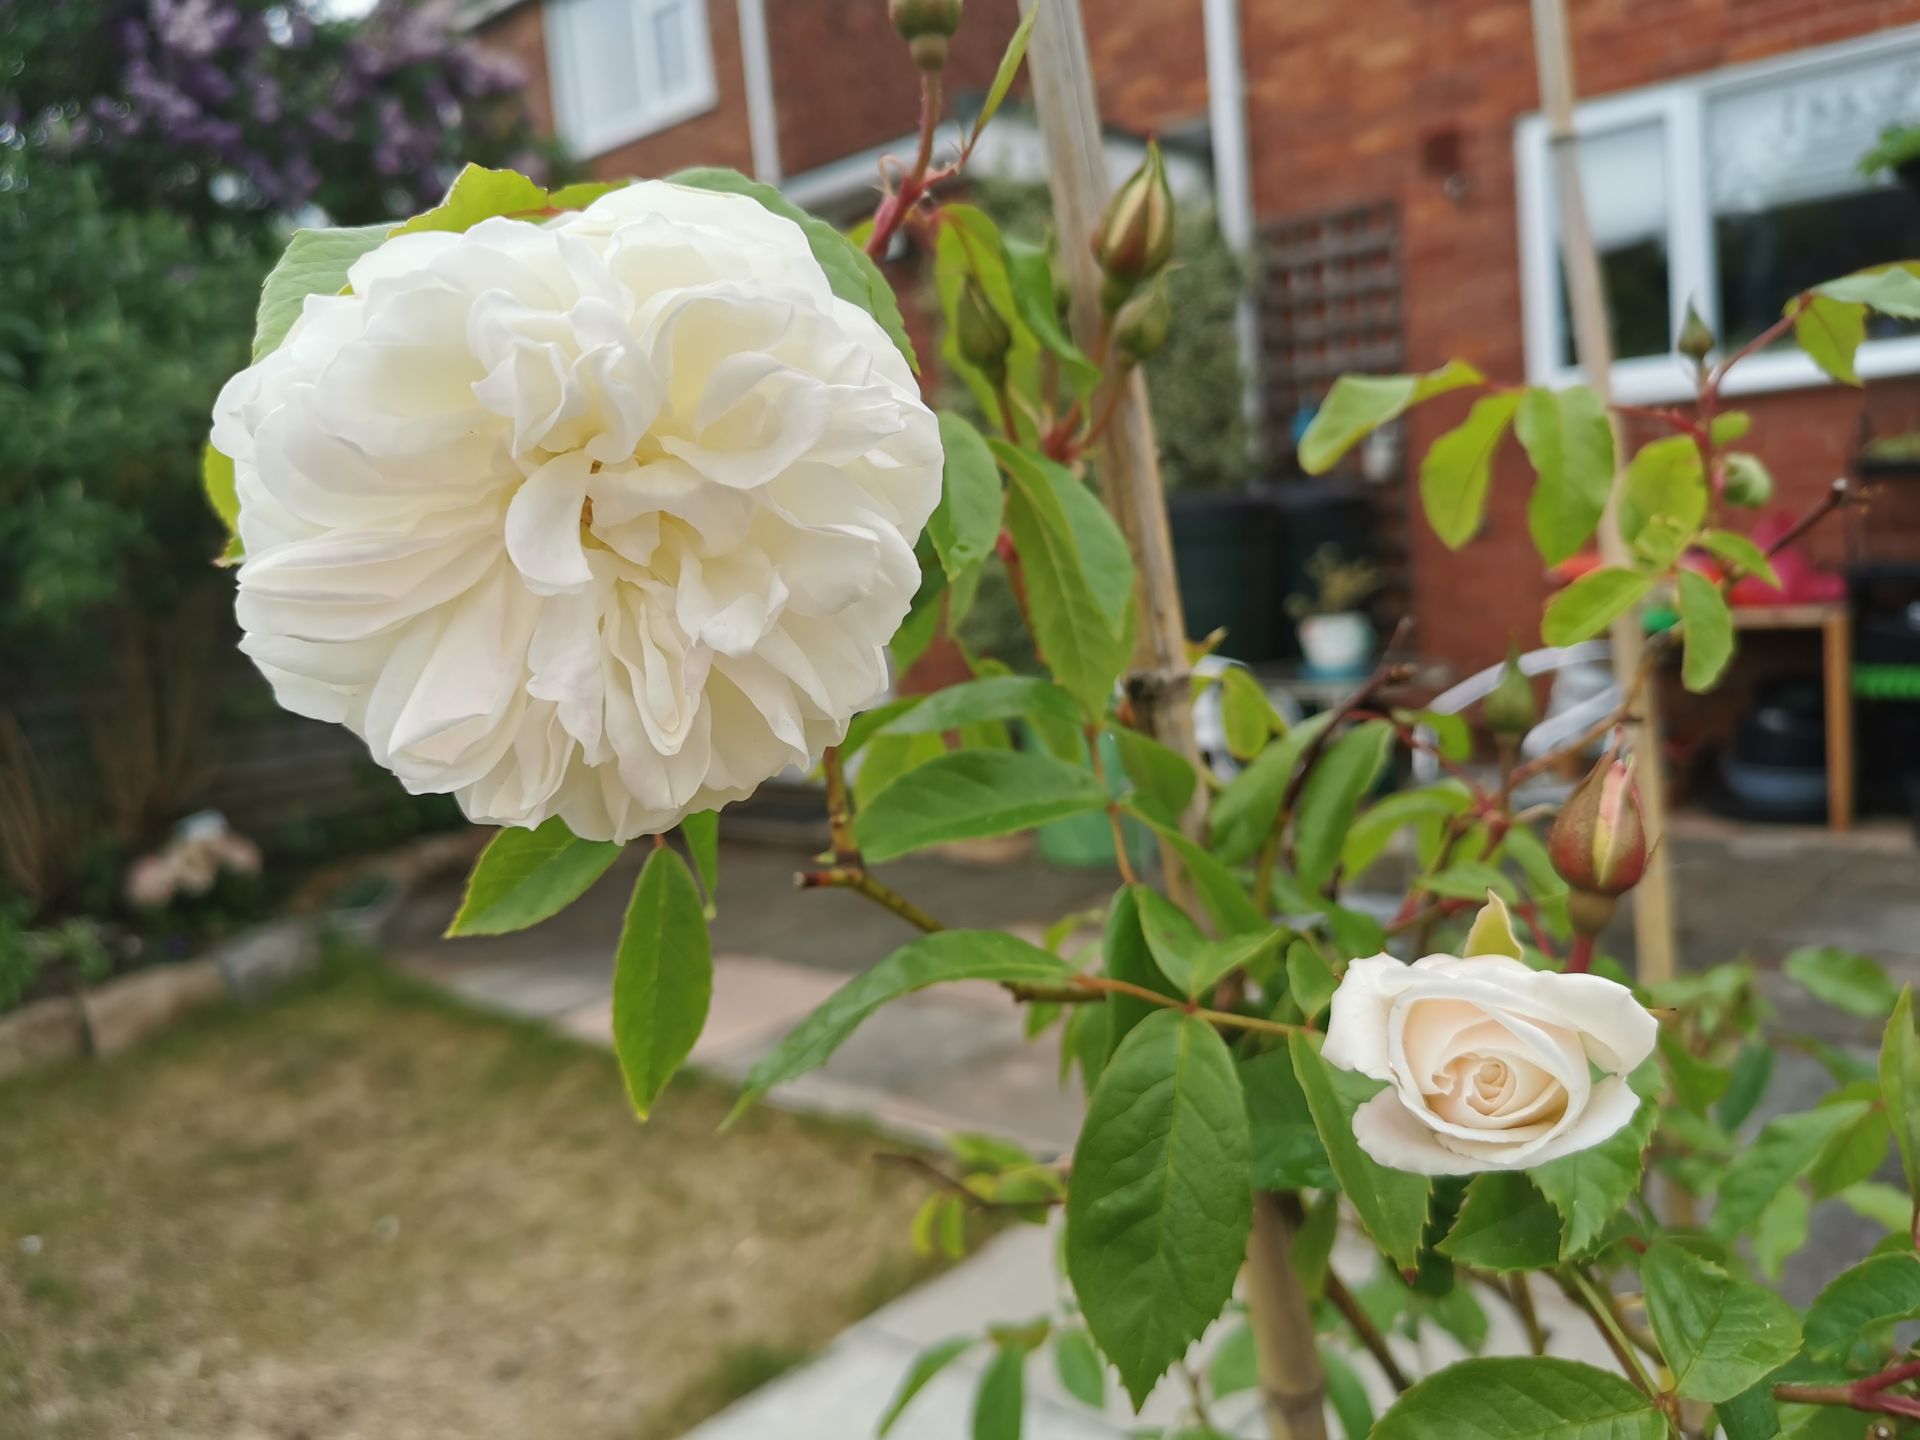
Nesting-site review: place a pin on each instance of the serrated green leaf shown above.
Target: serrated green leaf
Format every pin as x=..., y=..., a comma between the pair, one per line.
x=1737, y=551
x=1831, y=332
x=1853, y=1154
x=315, y=262
x=1287, y=1153
x=1357, y=405
x=1570, y=444
x=1083, y=1374
x=662, y=978
x=582, y=193
x=1747, y=1081
x=1163, y=780
x=1367, y=837
x=1470, y=880
x=1592, y=603
x=1223, y=897
x=1004, y=73
x=1339, y=780
x=1663, y=481
x=1843, y=979
x=1719, y=1334
x=1391, y=1203
x=526, y=876
x=1245, y=811
x=477, y=194
x=929, y=1363
x=1891, y=289
x=1900, y=1085
x=1504, y=1224
x=1030, y=274
x=1780, y=1153
x=1707, y=627
x=1310, y=981
x=1590, y=1186
x=972, y=795
x=966, y=522
x=1161, y=1197
x=1879, y=1290
x=1696, y=1083
x=930, y=960
x=1522, y=1399
x=851, y=273
x=1458, y=469
x=1781, y=1230
x=1128, y=957
x=990, y=697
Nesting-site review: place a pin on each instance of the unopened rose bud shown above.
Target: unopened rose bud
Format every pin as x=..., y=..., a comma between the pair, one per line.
x=1599, y=843
x=981, y=333
x=925, y=26
x=1696, y=340
x=1140, y=327
x=1135, y=238
x=1510, y=709
x=1748, y=481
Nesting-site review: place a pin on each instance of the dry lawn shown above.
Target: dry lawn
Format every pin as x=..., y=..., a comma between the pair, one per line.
x=367, y=1214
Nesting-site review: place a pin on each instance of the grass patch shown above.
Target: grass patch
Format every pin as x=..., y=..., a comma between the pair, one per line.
x=367, y=1209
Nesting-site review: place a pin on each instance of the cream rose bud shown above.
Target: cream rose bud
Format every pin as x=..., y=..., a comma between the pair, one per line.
x=609, y=517
x=1490, y=1065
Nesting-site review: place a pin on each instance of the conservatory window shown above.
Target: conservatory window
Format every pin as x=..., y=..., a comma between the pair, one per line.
x=626, y=68
x=1734, y=191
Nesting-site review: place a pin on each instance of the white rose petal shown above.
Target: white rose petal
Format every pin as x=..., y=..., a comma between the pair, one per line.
x=1490, y=1064
x=609, y=518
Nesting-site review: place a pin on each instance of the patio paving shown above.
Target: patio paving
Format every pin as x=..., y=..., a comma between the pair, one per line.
x=953, y=1059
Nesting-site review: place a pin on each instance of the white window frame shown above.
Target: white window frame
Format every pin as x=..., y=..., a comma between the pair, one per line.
x=587, y=135
x=1681, y=105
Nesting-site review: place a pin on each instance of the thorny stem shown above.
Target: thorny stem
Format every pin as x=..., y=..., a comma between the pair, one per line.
x=1342, y=1299
x=1868, y=1394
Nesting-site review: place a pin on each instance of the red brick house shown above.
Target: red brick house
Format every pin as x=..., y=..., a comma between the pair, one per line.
x=1385, y=156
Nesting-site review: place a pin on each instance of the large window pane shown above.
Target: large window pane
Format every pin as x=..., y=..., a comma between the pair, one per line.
x=1789, y=206
x=1623, y=178
x=671, y=38
x=603, y=44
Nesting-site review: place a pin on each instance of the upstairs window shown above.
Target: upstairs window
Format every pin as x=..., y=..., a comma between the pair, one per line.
x=626, y=68
x=1735, y=190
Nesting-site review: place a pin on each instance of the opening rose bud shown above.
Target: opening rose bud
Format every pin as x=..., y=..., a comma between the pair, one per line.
x=1135, y=238
x=1599, y=842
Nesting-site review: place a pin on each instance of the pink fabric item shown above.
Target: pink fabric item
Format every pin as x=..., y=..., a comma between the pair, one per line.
x=1801, y=583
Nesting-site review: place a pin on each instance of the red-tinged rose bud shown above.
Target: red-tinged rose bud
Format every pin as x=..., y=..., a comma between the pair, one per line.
x=981, y=334
x=1140, y=327
x=925, y=26
x=1135, y=238
x=1510, y=709
x=1599, y=843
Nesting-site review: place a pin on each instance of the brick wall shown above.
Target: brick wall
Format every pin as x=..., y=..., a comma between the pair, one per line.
x=1340, y=104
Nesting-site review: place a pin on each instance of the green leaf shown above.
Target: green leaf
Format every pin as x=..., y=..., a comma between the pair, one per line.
x=1451, y=733
x=1163, y=780
x=1879, y=1290
x=1235, y=1367
x=966, y=522
x=1030, y=274
x=886, y=758
x=990, y=697
x=1347, y=1394
x=1458, y=469
x=1736, y=550
x=1083, y=1374
x=1246, y=714
x=315, y=262
x=1780, y=1153
x=1161, y=1198
x=1470, y=880
x=851, y=273
x=1287, y=1153
x=1589, y=1186
x=1891, y=289
x=1244, y=813
x=1001, y=1398
x=1310, y=981
x=1751, y=1415
x=1570, y=444
x=1128, y=957
x=930, y=960
x=1696, y=1083
x=1360, y=404
x=1719, y=1335
x=1780, y=1230
x=1078, y=573
x=525, y=876
x=1853, y=1154
x=1390, y=1203
x=1707, y=625
x=1522, y=1399
x=929, y=1363
x=1888, y=1207
x=1592, y=603
x=216, y=480
x=1367, y=837
x=702, y=832
x=477, y=194
x=662, y=978
x=970, y=795
x=1190, y=962
x=1504, y=1224
x=582, y=193
x=1224, y=898
x=1900, y=1085
x=1830, y=331
x=1843, y=979
x=1003, y=77
x=1340, y=779
x=1664, y=481
x=1752, y=1069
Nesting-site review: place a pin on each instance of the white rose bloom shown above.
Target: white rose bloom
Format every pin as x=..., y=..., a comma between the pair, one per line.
x=609, y=518
x=1490, y=1064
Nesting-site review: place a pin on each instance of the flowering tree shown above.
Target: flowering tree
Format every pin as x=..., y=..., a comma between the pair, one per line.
x=596, y=507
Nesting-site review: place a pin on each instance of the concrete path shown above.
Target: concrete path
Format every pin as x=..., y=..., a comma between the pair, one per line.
x=953, y=1059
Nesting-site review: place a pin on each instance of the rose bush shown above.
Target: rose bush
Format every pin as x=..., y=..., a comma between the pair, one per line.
x=608, y=516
